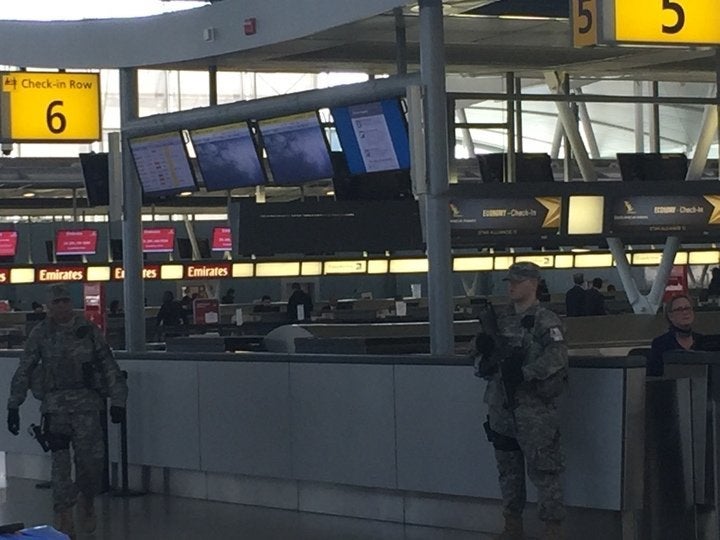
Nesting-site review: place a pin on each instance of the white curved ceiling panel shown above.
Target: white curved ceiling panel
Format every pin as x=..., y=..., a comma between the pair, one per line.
x=203, y=32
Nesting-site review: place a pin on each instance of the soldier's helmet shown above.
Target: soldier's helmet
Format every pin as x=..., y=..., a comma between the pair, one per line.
x=522, y=271
x=58, y=291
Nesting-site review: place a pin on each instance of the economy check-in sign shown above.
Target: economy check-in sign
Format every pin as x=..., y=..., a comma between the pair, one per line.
x=493, y=217
x=665, y=214
x=645, y=22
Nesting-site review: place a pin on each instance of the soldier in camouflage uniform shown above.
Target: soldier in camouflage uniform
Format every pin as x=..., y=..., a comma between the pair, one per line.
x=70, y=368
x=526, y=368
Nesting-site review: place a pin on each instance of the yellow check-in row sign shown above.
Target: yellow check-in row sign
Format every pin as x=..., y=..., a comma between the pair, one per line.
x=49, y=107
x=645, y=22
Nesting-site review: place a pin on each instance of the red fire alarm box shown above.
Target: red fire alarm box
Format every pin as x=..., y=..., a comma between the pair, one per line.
x=250, y=26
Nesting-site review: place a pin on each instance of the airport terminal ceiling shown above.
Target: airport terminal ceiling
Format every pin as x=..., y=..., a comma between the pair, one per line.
x=483, y=38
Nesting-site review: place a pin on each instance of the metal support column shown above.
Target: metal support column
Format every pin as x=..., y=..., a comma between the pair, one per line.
x=518, y=117
x=212, y=85
x=510, y=169
x=571, y=130
x=133, y=286
x=644, y=304
x=466, y=134
x=639, y=119
x=400, y=41
x=655, y=120
x=432, y=69
x=707, y=134
x=557, y=139
x=586, y=124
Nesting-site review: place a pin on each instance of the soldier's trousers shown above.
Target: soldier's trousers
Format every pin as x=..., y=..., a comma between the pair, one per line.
x=537, y=434
x=84, y=433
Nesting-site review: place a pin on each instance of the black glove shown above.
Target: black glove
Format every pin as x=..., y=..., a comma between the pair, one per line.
x=13, y=421
x=117, y=414
x=484, y=344
x=512, y=375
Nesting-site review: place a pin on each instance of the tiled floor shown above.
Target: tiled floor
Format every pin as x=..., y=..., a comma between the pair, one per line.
x=160, y=517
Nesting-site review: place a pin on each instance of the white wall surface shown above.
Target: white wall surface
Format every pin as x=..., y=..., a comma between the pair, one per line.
x=174, y=37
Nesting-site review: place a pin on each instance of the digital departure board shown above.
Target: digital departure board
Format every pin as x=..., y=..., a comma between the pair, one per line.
x=227, y=157
x=76, y=242
x=296, y=148
x=374, y=136
x=162, y=164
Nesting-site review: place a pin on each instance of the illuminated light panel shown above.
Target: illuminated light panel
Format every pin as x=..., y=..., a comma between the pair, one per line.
x=646, y=259
x=585, y=214
x=98, y=273
x=277, y=269
x=378, y=267
x=704, y=257
x=472, y=264
x=503, y=262
x=345, y=267
x=543, y=261
x=242, y=270
x=594, y=260
x=408, y=266
x=171, y=271
x=311, y=268
x=22, y=275
x=681, y=258
x=564, y=261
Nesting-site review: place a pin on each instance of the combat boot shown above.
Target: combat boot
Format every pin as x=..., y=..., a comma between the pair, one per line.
x=513, y=529
x=86, y=513
x=64, y=522
x=552, y=531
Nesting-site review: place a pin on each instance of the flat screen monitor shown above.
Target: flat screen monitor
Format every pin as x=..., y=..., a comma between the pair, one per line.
x=296, y=149
x=528, y=168
x=184, y=248
x=8, y=243
x=163, y=165
x=374, y=136
x=653, y=167
x=97, y=178
x=158, y=240
x=377, y=186
x=76, y=242
x=228, y=157
x=221, y=239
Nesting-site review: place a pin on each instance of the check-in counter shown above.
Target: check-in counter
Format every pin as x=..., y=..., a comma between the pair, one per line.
x=697, y=376
x=396, y=438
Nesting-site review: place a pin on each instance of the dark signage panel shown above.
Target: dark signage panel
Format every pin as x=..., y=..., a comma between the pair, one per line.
x=482, y=221
x=664, y=214
x=329, y=226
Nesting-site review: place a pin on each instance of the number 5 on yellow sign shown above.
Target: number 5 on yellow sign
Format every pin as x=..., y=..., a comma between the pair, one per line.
x=584, y=23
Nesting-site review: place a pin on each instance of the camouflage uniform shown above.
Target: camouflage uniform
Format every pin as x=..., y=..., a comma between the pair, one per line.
x=70, y=365
x=533, y=422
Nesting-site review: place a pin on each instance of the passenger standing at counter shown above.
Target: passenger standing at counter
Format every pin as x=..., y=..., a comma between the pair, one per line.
x=526, y=367
x=680, y=314
x=69, y=366
x=594, y=300
x=575, y=297
x=171, y=312
x=299, y=298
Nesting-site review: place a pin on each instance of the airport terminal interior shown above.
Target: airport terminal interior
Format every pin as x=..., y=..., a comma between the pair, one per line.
x=186, y=167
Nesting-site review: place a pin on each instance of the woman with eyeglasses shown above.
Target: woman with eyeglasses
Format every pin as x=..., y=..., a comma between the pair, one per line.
x=680, y=314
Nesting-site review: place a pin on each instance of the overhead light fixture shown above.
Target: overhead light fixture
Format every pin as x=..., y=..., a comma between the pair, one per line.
x=29, y=194
x=457, y=7
x=185, y=194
